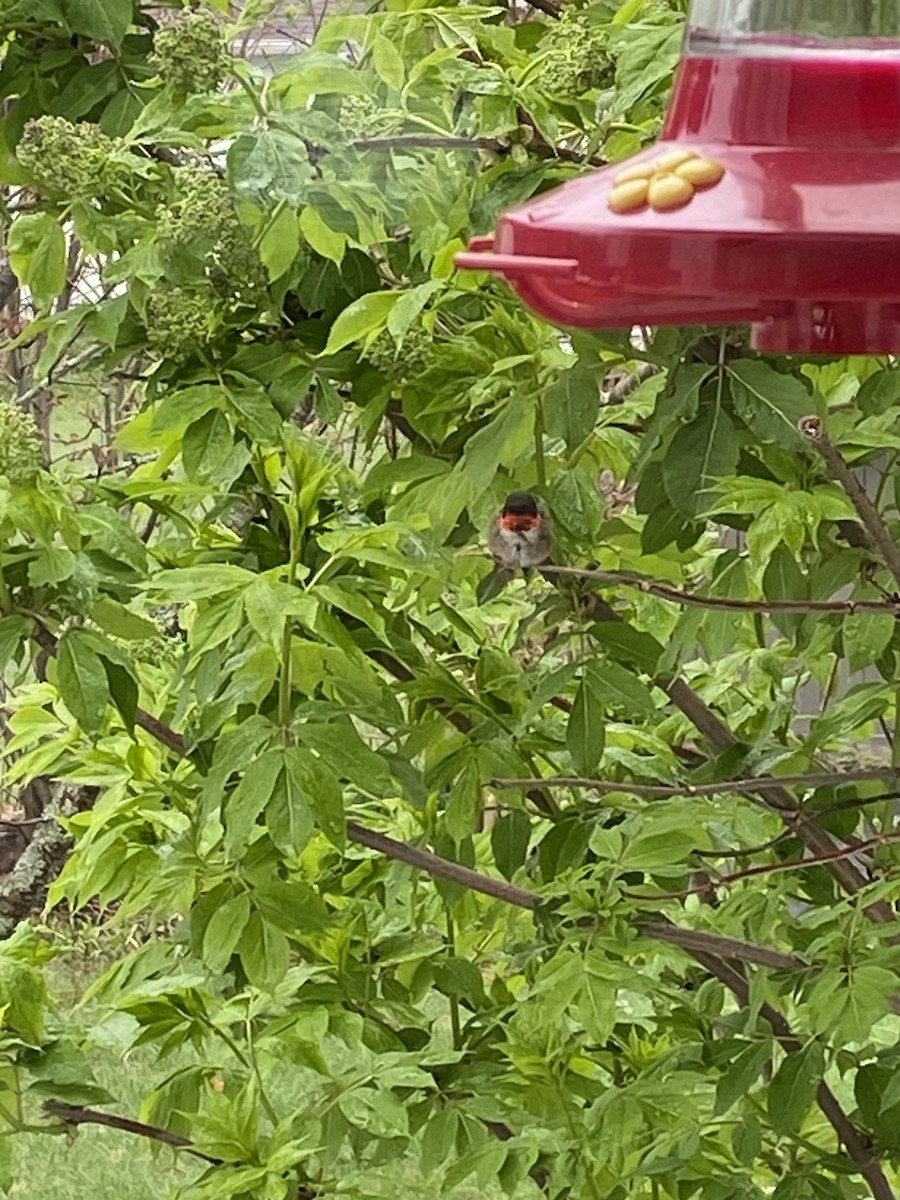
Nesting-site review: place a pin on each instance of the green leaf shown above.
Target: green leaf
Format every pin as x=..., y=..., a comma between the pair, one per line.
x=699, y=455
x=380, y=1113
x=510, y=836
x=23, y=1000
x=322, y=792
x=198, y=583
x=769, y=402
x=746, y=1140
x=576, y=505
x=632, y=646
x=572, y=404
x=388, y=62
x=503, y=440
x=14, y=630
x=222, y=934
x=123, y=689
x=623, y=690
x=464, y=802
x=264, y=605
x=658, y=847
x=596, y=1008
x=36, y=246
x=182, y=407
x=257, y=415
x=438, y=1139
x=366, y=315
x=343, y=749
x=323, y=239
x=793, y=1088
x=485, y=1160
x=105, y=21
x=866, y=636
x=81, y=678
x=409, y=306
x=878, y=1096
x=264, y=952
x=289, y=816
x=243, y=807
x=742, y=1073
x=585, y=730
x=280, y=243
x=206, y=445
x=270, y=166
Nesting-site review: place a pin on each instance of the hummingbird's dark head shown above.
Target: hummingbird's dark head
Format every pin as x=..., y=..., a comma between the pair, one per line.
x=520, y=504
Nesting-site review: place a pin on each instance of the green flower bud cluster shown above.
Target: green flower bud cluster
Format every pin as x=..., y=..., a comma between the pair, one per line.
x=179, y=319
x=202, y=223
x=362, y=117
x=192, y=55
x=77, y=162
x=578, y=60
x=20, y=443
x=410, y=361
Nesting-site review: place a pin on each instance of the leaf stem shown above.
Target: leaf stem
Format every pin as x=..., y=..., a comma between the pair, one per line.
x=539, y=462
x=453, y=1000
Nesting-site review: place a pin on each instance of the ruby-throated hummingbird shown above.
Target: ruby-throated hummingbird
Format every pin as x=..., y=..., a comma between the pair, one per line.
x=519, y=535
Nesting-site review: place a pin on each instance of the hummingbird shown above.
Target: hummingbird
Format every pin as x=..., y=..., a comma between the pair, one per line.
x=519, y=535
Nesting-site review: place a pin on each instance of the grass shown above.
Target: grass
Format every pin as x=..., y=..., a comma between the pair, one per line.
x=106, y=1164
x=98, y=1163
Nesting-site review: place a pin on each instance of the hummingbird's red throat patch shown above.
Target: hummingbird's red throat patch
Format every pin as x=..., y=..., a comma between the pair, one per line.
x=517, y=523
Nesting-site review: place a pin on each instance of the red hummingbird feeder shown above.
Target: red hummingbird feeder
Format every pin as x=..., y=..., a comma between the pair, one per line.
x=772, y=197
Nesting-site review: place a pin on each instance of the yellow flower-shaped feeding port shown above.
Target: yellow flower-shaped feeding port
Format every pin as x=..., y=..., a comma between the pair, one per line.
x=665, y=183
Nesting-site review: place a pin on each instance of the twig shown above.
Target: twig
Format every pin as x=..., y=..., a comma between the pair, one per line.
x=653, y=587
x=812, y=429
x=722, y=947
x=792, y=864
x=442, y=868
x=753, y=784
x=430, y=141
x=73, y=1114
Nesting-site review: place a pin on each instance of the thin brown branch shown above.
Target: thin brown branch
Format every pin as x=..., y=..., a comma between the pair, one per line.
x=159, y=730
x=814, y=431
x=790, y=864
x=430, y=141
x=652, y=587
x=721, y=947
x=551, y=7
x=752, y=784
x=442, y=868
x=73, y=1114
